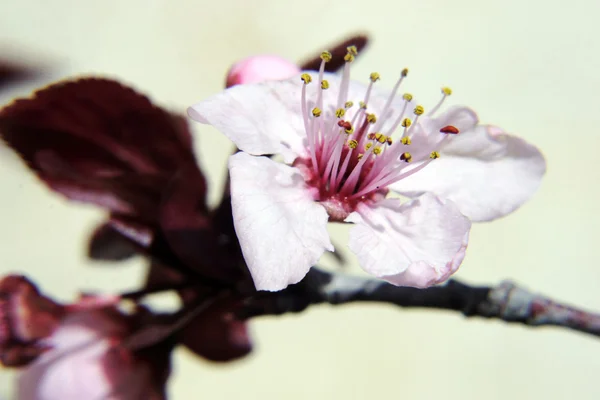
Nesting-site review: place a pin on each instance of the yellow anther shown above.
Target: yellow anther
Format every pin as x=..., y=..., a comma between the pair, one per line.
x=368, y=146
x=371, y=118
x=360, y=156
x=325, y=84
x=352, y=50
x=434, y=155
x=326, y=56
x=375, y=76
x=404, y=72
x=405, y=141
x=377, y=151
x=306, y=78
x=362, y=105
x=389, y=140
x=352, y=144
x=348, y=104
x=348, y=57
x=406, y=122
x=340, y=112
x=407, y=96
x=446, y=91
x=349, y=131
x=419, y=110
x=316, y=112
x=380, y=138
x=406, y=157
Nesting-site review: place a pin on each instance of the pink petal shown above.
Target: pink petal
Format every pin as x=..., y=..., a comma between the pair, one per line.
x=485, y=171
x=418, y=244
x=260, y=119
x=259, y=69
x=282, y=231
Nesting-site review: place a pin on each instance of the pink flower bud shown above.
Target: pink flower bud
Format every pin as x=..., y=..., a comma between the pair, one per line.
x=261, y=68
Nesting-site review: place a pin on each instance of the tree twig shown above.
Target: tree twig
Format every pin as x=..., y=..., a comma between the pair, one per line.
x=506, y=301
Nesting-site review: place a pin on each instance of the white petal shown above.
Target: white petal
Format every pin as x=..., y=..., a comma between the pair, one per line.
x=419, y=243
x=266, y=118
x=281, y=229
x=485, y=171
x=427, y=134
x=460, y=117
x=262, y=118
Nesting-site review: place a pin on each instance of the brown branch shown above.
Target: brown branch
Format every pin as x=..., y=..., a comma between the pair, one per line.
x=507, y=301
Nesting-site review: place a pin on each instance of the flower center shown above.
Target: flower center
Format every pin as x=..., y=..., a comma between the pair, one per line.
x=353, y=157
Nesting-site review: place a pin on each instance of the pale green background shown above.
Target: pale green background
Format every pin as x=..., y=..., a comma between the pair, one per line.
x=528, y=66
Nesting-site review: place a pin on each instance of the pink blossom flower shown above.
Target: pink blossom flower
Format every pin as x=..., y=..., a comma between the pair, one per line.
x=345, y=146
x=75, y=351
x=86, y=361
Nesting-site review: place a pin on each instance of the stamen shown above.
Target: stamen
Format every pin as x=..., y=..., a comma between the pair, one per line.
x=406, y=156
x=434, y=155
x=407, y=97
x=390, y=178
x=306, y=78
x=405, y=141
x=418, y=111
x=380, y=138
x=334, y=159
x=388, y=103
x=348, y=104
x=318, y=133
x=446, y=91
x=349, y=58
x=354, y=175
x=326, y=56
x=316, y=112
x=352, y=144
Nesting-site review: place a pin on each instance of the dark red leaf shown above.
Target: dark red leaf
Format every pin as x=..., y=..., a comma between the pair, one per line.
x=97, y=141
x=191, y=232
x=108, y=244
x=13, y=72
x=216, y=334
